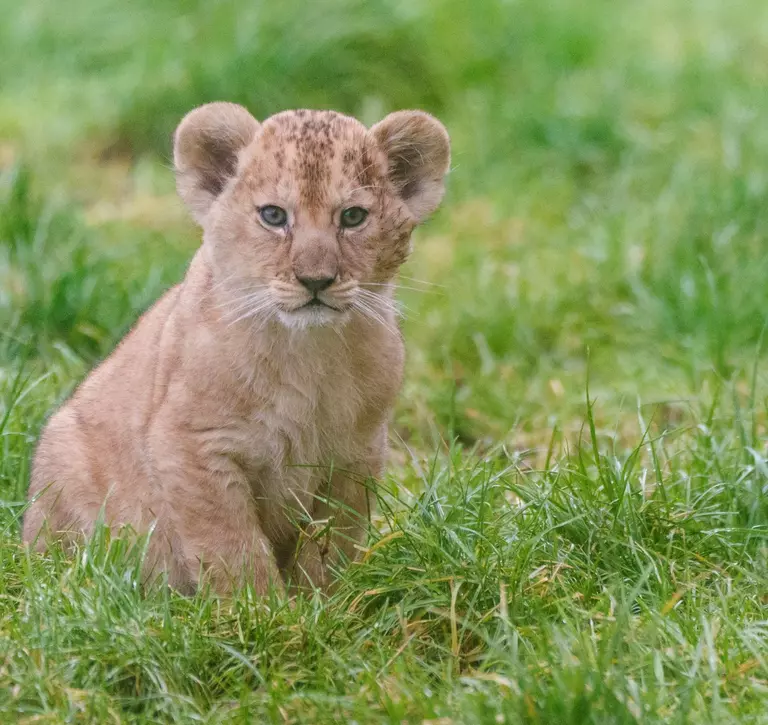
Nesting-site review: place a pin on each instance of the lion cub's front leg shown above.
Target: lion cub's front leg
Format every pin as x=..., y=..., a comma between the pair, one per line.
x=340, y=518
x=215, y=528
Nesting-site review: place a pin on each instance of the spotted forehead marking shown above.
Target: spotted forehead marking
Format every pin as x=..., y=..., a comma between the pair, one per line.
x=319, y=142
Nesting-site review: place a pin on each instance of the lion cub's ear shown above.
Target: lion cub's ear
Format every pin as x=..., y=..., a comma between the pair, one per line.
x=419, y=153
x=205, y=151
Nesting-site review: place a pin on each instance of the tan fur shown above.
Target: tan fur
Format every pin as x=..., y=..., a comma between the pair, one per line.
x=243, y=428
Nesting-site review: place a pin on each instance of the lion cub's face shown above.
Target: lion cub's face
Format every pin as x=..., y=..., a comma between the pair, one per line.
x=308, y=216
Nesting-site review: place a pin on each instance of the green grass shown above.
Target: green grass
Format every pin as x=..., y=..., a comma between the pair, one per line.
x=574, y=528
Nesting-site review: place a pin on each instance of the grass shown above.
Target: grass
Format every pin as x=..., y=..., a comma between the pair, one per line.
x=573, y=528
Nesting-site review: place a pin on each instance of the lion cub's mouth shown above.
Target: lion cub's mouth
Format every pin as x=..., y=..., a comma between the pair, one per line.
x=314, y=313
x=317, y=302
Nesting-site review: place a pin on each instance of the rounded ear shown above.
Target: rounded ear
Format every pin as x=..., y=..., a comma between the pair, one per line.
x=419, y=153
x=205, y=152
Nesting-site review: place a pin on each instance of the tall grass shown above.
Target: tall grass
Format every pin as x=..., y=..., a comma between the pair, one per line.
x=601, y=588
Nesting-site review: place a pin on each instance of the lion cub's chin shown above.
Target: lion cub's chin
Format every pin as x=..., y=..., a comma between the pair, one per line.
x=313, y=316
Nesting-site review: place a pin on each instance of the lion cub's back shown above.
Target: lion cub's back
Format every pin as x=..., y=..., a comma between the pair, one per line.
x=92, y=448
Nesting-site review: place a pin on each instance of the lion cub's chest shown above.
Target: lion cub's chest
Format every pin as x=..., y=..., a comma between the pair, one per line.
x=305, y=414
x=304, y=426
x=309, y=418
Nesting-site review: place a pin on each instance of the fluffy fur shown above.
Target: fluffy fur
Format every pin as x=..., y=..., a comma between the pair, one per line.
x=238, y=423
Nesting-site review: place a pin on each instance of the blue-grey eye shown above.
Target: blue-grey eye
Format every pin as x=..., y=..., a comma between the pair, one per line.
x=273, y=215
x=353, y=217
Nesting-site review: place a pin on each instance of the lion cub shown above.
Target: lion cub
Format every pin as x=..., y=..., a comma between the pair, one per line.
x=245, y=412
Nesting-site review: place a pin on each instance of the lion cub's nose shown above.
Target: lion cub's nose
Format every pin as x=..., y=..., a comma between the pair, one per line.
x=316, y=284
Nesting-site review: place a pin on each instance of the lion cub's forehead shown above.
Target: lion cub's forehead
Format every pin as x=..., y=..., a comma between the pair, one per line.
x=316, y=155
x=312, y=127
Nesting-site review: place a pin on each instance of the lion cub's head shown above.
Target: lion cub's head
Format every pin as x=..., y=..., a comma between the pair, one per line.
x=308, y=215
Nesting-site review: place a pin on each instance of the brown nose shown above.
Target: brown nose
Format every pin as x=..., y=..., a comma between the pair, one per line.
x=316, y=284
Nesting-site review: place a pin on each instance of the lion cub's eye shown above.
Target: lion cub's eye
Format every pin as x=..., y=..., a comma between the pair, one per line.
x=353, y=217
x=273, y=215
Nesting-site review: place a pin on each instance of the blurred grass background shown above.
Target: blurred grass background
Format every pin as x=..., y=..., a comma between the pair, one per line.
x=609, y=174
x=605, y=221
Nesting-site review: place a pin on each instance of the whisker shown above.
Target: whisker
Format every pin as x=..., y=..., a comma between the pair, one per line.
x=237, y=300
x=264, y=320
x=221, y=282
x=394, y=306
x=366, y=310
x=378, y=301
x=245, y=282
x=253, y=311
x=399, y=286
x=422, y=281
x=250, y=315
x=369, y=312
x=243, y=303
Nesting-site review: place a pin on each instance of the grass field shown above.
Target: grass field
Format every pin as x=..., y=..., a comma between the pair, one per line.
x=574, y=528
